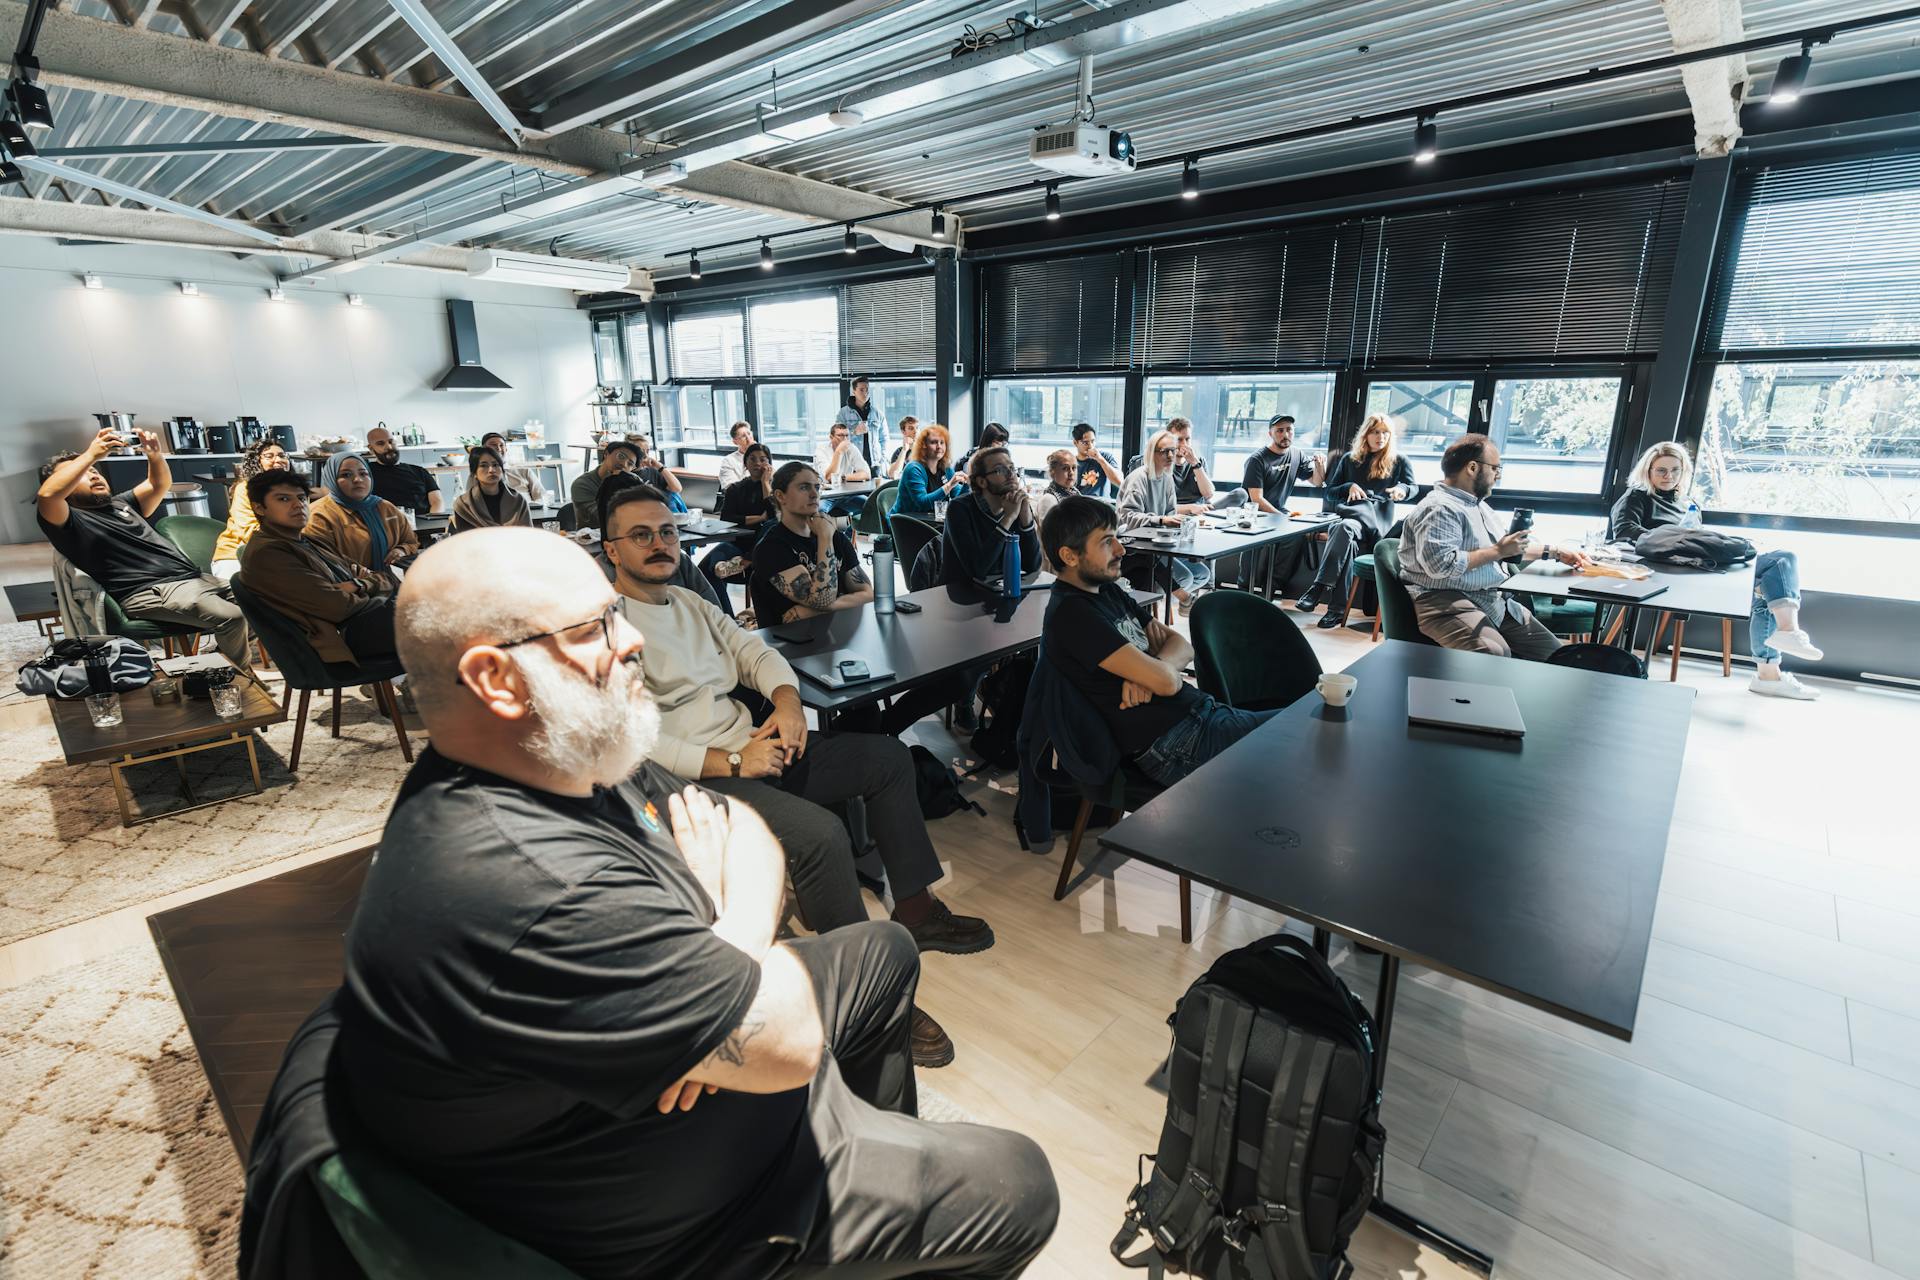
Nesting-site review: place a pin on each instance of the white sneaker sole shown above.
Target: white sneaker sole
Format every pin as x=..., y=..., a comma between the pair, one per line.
x=1796, y=647
x=1795, y=692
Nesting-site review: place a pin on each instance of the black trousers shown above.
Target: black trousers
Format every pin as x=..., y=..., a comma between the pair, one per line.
x=836, y=767
x=1345, y=538
x=369, y=633
x=904, y=1197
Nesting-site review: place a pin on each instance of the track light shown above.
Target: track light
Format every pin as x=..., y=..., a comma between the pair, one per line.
x=850, y=245
x=939, y=224
x=1190, y=181
x=1053, y=202
x=28, y=99
x=693, y=264
x=1790, y=77
x=14, y=138
x=189, y=288
x=766, y=254
x=1426, y=140
x=276, y=294
x=92, y=281
x=355, y=300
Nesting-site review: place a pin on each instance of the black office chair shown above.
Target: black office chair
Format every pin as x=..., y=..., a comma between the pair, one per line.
x=569, y=520
x=1247, y=654
x=307, y=671
x=1604, y=658
x=1126, y=791
x=910, y=534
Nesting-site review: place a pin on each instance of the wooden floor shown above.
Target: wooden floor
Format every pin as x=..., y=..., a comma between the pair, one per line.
x=1764, y=1123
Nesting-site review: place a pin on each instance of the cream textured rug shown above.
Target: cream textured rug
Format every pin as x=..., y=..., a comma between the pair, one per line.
x=114, y=1161
x=113, y=1158
x=65, y=857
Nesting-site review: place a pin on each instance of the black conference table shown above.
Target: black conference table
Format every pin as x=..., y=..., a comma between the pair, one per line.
x=1526, y=866
x=1726, y=593
x=1215, y=543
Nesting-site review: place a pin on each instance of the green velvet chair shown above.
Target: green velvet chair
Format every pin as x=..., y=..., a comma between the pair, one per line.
x=1397, y=619
x=194, y=535
x=1568, y=619
x=1247, y=654
x=1363, y=573
x=397, y=1229
x=872, y=519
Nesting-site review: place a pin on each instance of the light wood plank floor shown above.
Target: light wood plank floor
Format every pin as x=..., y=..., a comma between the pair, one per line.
x=1764, y=1123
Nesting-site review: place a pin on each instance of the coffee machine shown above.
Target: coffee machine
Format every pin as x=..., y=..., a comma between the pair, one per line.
x=222, y=437
x=186, y=435
x=251, y=432
x=284, y=434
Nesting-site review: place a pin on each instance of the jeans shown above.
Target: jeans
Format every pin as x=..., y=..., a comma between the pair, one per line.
x=1210, y=728
x=1189, y=575
x=369, y=634
x=851, y=505
x=1776, y=579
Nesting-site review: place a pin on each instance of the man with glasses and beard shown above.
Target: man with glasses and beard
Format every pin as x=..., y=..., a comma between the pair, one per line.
x=994, y=511
x=564, y=1008
x=698, y=658
x=1453, y=558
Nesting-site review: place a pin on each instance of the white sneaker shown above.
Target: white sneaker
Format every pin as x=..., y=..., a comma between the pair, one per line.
x=1785, y=687
x=1796, y=644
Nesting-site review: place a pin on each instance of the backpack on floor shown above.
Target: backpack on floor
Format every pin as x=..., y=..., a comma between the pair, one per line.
x=937, y=787
x=1271, y=1147
x=1003, y=697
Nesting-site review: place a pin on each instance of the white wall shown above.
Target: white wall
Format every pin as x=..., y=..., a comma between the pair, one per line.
x=140, y=346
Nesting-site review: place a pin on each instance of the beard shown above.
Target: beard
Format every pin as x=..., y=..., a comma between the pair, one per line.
x=599, y=733
x=89, y=499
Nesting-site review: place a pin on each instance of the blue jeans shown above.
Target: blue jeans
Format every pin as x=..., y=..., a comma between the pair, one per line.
x=1210, y=728
x=1776, y=577
x=1189, y=574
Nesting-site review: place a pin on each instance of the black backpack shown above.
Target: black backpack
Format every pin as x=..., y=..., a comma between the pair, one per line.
x=1003, y=697
x=936, y=786
x=1272, y=1143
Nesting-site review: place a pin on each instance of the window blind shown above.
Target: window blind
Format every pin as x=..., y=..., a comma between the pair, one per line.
x=1273, y=300
x=886, y=326
x=1822, y=255
x=1056, y=313
x=794, y=334
x=709, y=342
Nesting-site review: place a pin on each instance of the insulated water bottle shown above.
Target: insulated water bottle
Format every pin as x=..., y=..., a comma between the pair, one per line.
x=882, y=574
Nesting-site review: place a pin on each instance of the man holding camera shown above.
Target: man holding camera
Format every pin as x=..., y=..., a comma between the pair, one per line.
x=1453, y=558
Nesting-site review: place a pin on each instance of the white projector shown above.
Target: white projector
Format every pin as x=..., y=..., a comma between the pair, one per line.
x=1081, y=149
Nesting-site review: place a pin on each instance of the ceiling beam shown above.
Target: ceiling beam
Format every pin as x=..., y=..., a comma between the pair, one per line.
x=1715, y=88
x=435, y=37
x=323, y=142
x=81, y=177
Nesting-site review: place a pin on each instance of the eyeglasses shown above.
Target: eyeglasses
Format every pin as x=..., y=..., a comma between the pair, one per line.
x=645, y=537
x=606, y=629
x=1495, y=467
x=1002, y=470
x=1159, y=452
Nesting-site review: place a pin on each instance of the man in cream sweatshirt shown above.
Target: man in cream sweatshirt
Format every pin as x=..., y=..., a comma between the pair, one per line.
x=694, y=657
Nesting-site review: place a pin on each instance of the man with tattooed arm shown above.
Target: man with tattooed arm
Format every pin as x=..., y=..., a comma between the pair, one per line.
x=805, y=565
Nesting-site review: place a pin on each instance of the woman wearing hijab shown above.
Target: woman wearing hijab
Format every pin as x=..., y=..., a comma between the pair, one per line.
x=357, y=524
x=488, y=499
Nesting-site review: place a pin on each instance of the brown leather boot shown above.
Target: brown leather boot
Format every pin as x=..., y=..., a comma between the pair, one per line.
x=931, y=1045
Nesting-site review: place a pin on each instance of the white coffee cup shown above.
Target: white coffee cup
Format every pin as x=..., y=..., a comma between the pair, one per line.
x=1336, y=687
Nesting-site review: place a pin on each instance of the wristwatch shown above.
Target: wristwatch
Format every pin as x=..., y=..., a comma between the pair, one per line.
x=733, y=762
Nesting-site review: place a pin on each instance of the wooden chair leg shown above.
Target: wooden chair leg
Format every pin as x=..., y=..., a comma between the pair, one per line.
x=1619, y=621
x=336, y=713
x=390, y=703
x=299, y=729
x=1726, y=647
x=1679, y=635
x=1186, y=909
x=1073, y=847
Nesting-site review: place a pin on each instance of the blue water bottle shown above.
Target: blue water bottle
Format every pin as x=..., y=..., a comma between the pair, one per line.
x=1010, y=570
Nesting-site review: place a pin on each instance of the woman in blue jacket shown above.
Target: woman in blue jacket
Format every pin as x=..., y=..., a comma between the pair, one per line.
x=929, y=478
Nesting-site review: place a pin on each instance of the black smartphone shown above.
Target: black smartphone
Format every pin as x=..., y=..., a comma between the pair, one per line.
x=906, y=606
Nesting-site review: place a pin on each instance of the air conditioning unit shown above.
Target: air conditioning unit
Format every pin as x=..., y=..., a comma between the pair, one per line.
x=557, y=273
x=1082, y=149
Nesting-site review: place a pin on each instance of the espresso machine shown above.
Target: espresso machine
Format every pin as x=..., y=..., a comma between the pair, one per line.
x=284, y=434
x=186, y=435
x=122, y=425
x=223, y=437
x=252, y=432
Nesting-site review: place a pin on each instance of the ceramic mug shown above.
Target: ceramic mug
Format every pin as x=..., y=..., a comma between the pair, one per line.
x=1336, y=687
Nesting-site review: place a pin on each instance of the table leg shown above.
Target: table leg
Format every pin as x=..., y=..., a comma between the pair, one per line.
x=120, y=790
x=253, y=760
x=1400, y=1220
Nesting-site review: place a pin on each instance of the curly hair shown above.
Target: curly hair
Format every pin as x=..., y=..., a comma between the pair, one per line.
x=250, y=465
x=927, y=435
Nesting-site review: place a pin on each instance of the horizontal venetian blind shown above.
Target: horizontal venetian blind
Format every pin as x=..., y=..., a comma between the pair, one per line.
x=709, y=342
x=1822, y=255
x=886, y=326
x=1056, y=313
x=1276, y=299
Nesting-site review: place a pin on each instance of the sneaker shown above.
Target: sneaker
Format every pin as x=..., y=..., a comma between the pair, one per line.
x=1785, y=687
x=1332, y=621
x=1796, y=644
x=1310, y=598
x=932, y=1047
x=1186, y=606
x=956, y=935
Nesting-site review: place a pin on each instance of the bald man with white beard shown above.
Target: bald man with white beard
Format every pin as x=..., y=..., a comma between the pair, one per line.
x=564, y=1008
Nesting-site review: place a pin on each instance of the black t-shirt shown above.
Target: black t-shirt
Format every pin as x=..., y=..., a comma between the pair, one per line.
x=402, y=484
x=1274, y=474
x=745, y=498
x=526, y=973
x=1185, y=488
x=778, y=550
x=1088, y=476
x=116, y=547
x=1082, y=630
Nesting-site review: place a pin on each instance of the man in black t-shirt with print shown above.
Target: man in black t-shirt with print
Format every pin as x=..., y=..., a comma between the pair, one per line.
x=1128, y=664
x=106, y=536
x=804, y=565
x=566, y=1013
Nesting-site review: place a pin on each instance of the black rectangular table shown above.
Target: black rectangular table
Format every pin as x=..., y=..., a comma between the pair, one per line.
x=35, y=602
x=1528, y=867
x=1211, y=544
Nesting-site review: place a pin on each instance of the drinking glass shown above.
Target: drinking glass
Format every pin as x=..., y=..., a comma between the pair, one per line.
x=104, y=710
x=940, y=512
x=226, y=701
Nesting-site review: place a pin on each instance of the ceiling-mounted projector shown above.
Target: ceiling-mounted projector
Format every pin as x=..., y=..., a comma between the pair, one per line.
x=1082, y=148
x=538, y=268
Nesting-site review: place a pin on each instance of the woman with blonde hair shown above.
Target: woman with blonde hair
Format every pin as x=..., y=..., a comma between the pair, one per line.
x=1147, y=500
x=1366, y=482
x=929, y=477
x=1655, y=497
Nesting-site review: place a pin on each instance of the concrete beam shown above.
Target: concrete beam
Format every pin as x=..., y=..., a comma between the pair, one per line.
x=1714, y=88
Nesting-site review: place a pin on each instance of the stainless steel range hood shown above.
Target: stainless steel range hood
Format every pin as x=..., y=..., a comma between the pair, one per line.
x=467, y=374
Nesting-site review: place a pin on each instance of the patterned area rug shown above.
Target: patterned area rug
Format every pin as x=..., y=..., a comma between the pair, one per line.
x=67, y=858
x=113, y=1158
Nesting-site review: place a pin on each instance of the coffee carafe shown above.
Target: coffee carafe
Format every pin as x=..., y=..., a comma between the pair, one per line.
x=186, y=435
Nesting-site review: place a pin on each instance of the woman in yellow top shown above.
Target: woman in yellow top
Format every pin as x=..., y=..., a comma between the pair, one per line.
x=355, y=523
x=261, y=455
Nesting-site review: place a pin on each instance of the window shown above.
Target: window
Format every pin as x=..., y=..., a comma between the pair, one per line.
x=796, y=336
x=1230, y=412
x=1832, y=439
x=899, y=400
x=1039, y=414
x=608, y=369
x=638, y=335
x=699, y=415
x=794, y=416
x=710, y=343
x=1431, y=411
x=1553, y=432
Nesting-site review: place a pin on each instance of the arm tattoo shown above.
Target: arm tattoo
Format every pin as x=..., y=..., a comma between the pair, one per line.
x=732, y=1051
x=856, y=579
x=815, y=586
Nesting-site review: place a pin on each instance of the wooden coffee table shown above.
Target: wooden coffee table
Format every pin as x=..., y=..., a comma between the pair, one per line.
x=152, y=731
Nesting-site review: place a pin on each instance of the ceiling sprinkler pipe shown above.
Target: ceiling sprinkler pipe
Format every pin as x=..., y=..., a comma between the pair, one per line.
x=1083, y=106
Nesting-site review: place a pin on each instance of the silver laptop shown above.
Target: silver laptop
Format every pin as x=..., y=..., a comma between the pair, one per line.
x=1454, y=704
x=1616, y=588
